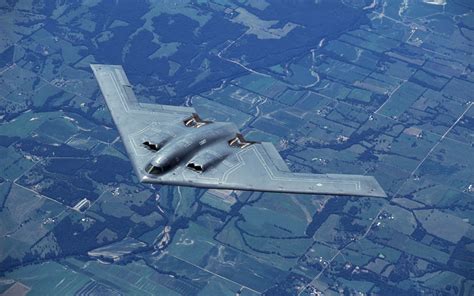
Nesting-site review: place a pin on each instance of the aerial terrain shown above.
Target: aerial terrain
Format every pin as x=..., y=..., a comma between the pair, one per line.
x=372, y=87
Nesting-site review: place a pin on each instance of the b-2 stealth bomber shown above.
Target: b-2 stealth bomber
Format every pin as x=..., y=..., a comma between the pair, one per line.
x=174, y=145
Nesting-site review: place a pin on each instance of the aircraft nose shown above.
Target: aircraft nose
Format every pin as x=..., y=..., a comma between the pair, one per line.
x=159, y=165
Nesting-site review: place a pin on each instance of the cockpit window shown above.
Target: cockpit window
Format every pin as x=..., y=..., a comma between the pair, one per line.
x=151, y=169
x=157, y=170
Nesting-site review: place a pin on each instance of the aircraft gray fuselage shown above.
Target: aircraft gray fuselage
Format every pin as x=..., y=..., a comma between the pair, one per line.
x=172, y=145
x=183, y=148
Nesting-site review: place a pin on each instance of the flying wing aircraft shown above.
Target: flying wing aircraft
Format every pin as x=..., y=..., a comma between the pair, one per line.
x=174, y=145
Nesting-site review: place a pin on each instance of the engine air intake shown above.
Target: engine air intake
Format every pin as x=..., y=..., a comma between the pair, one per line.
x=195, y=167
x=195, y=121
x=240, y=142
x=151, y=146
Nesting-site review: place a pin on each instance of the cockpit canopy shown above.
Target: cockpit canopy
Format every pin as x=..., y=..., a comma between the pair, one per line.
x=156, y=170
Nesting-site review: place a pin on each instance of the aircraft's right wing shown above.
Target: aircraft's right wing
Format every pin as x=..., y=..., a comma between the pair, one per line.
x=259, y=167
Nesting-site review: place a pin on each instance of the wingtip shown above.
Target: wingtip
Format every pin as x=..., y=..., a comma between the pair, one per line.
x=95, y=66
x=98, y=67
x=377, y=190
x=379, y=193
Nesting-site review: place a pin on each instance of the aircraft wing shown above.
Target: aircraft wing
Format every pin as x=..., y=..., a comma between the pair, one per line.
x=138, y=123
x=246, y=165
x=259, y=167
